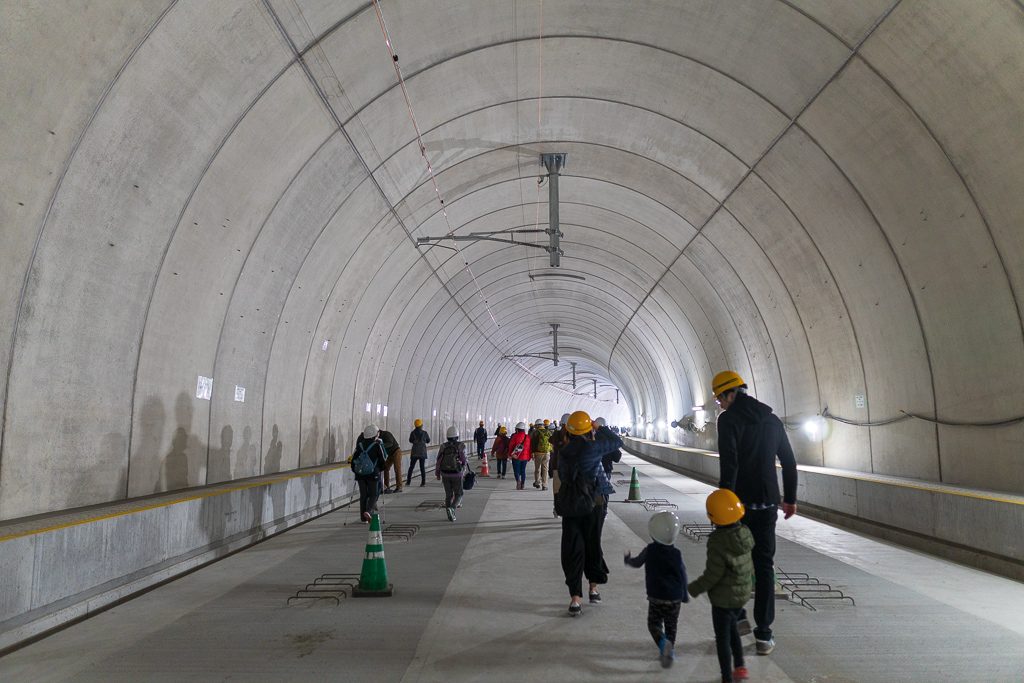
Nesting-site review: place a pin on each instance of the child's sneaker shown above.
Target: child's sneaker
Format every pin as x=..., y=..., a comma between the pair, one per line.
x=740, y=673
x=666, y=655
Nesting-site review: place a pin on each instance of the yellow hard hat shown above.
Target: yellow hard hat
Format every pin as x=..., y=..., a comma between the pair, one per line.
x=547, y=422
x=417, y=422
x=724, y=381
x=502, y=430
x=724, y=508
x=579, y=423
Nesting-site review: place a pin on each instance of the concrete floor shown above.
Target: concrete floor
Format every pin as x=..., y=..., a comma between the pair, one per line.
x=483, y=598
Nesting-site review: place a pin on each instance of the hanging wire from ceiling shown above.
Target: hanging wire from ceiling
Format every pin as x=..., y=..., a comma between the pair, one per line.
x=906, y=415
x=393, y=54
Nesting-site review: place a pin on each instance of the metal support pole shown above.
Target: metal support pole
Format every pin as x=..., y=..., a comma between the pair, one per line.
x=554, y=348
x=553, y=163
x=595, y=388
x=616, y=397
x=573, y=376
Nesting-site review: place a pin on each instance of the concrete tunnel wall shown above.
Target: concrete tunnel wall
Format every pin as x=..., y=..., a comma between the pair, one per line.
x=821, y=196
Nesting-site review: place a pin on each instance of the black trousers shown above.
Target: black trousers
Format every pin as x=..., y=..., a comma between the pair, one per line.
x=662, y=618
x=727, y=639
x=480, y=448
x=369, y=489
x=581, y=551
x=762, y=527
x=412, y=466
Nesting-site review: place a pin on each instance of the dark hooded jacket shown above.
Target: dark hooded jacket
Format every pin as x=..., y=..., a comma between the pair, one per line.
x=750, y=438
x=729, y=570
x=419, y=440
x=608, y=460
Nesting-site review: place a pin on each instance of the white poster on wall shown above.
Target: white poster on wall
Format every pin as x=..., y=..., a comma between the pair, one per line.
x=204, y=388
x=240, y=394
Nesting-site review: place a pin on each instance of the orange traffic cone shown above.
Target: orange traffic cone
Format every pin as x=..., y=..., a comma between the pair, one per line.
x=485, y=471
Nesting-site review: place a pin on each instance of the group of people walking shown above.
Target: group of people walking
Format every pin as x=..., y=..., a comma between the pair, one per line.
x=577, y=455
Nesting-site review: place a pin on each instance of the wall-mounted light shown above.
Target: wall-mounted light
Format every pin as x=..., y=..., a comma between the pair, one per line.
x=815, y=428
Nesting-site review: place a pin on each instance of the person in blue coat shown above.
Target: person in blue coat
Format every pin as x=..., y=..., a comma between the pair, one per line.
x=581, y=502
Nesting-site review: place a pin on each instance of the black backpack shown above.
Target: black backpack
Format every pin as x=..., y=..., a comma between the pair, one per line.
x=449, y=458
x=575, y=497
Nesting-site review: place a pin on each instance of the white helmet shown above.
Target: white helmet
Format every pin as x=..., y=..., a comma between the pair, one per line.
x=565, y=418
x=600, y=422
x=521, y=425
x=539, y=423
x=452, y=433
x=664, y=527
x=370, y=432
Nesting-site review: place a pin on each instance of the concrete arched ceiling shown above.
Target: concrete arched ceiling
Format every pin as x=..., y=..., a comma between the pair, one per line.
x=823, y=196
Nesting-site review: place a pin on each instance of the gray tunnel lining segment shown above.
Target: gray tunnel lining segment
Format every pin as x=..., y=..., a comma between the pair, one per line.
x=792, y=122
x=868, y=329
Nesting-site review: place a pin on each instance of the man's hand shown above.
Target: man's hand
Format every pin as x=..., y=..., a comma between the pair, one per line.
x=625, y=560
x=788, y=510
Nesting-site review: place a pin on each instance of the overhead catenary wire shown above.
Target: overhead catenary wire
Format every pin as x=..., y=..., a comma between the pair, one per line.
x=393, y=55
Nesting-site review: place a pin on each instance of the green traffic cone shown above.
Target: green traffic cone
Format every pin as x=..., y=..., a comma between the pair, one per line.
x=373, y=580
x=634, y=489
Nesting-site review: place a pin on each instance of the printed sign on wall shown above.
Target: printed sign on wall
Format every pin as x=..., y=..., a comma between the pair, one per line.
x=204, y=388
x=240, y=394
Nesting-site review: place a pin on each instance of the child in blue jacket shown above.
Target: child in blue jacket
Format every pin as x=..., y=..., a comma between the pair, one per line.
x=666, y=582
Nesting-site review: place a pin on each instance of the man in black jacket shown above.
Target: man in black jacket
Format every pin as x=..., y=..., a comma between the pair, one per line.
x=750, y=438
x=480, y=435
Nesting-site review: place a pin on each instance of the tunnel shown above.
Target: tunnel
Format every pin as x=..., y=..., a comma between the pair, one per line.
x=235, y=233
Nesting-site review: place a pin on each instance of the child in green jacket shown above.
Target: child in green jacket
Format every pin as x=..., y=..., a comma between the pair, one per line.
x=726, y=579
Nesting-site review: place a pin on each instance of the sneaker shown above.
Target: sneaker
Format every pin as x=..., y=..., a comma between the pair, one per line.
x=366, y=517
x=740, y=673
x=451, y=514
x=595, y=598
x=665, y=653
x=743, y=625
x=423, y=484
x=765, y=647
x=536, y=485
x=575, y=610
x=543, y=488
x=554, y=512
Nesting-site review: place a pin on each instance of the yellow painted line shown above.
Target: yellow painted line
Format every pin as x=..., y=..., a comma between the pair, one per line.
x=168, y=503
x=935, y=488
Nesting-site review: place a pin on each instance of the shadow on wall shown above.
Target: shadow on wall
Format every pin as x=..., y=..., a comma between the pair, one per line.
x=330, y=453
x=247, y=458
x=272, y=463
x=114, y=448
x=184, y=463
x=220, y=458
x=310, y=446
